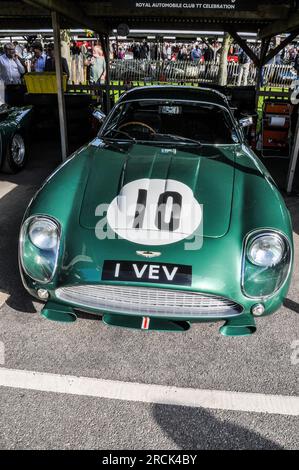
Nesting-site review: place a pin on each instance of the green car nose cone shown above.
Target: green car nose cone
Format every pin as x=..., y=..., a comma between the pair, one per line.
x=57, y=312
x=242, y=326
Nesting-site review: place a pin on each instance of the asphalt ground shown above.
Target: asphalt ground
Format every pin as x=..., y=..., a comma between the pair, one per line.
x=266, y=363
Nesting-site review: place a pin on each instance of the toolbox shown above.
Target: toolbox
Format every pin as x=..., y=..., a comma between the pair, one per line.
x=276, y=129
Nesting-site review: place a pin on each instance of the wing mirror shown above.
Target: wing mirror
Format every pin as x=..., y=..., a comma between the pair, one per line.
x=97, y=120
x=99, y=116
x=246, y=121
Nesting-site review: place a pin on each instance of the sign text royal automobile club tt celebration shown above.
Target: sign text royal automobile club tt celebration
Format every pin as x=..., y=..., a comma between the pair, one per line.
x=221, y=5
x=229, y=5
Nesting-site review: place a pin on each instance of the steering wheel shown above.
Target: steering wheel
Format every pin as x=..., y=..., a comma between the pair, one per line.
x=134, y=127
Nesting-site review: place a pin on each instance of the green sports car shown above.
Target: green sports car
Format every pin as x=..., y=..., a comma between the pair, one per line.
x=15, y=124
x=167, y=218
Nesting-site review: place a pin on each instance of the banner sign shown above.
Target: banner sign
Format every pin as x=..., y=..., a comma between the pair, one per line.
x=212, y=5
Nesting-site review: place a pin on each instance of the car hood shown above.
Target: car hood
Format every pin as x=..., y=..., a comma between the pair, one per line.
x=207, y=172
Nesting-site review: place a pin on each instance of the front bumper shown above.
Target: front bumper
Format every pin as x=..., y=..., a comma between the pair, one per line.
x=241, y=324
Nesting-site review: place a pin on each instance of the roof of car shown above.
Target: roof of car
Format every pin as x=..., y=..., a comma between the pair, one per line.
x=175, y=93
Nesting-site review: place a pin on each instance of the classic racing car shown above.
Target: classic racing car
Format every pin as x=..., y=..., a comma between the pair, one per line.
x=14, y=126
x=167, y=218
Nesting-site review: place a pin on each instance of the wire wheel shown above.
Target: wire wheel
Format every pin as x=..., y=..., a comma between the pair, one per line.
x=18, y=150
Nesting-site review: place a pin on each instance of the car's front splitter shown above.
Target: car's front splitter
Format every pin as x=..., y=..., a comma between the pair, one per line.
x=241, y=325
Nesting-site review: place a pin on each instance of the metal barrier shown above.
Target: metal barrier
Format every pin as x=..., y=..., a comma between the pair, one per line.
x=150, y=71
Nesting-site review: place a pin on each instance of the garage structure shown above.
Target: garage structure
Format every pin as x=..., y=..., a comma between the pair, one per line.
x=266, y=18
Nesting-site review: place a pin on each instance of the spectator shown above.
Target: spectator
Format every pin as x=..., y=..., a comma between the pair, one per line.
x=121, y=53
x=98, y=66
x=244, y=62
x=50, y=62
x=208, y=54
x=19, y=49
x=39, y=59
x=11, y=69
x=196, y=54
x=167, y=51
x=136, y=51
x=183, y=53
x=144, y=50
x=296, y=64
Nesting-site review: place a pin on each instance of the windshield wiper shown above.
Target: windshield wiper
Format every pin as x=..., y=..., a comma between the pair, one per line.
x=181, y=138
x=118, y=132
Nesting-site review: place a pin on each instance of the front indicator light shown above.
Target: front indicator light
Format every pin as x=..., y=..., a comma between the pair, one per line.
x=257, y=310
x=43, y=294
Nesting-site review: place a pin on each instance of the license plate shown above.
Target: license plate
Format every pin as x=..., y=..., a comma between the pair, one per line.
x=136, y=271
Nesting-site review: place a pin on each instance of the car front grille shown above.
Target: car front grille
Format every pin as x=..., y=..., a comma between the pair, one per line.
x=153, y=302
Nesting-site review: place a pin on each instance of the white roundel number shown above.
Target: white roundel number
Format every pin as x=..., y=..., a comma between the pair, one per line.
x=154, y=212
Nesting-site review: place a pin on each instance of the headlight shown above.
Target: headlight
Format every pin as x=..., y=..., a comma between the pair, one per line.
x=266, y=250
x=266, y=262
x=43, y=233
x=39, y=248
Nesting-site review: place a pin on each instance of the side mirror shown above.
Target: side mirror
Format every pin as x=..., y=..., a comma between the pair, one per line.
x=99, y=116
x=246, y=121
x=97, y=120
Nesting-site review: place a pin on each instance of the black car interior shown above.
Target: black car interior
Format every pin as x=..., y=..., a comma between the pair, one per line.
x=205, y=123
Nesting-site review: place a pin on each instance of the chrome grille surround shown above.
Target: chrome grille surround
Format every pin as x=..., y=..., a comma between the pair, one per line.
x=151, y=301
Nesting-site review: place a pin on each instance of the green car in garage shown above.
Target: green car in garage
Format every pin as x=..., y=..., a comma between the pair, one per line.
x=166, y=219
x=15, y=124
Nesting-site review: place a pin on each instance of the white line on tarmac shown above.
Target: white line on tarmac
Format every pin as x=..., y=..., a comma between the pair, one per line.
x=3, y=298
x=6, y=187
x=148, y=393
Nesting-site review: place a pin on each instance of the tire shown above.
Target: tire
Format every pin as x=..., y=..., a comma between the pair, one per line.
x=16, y=155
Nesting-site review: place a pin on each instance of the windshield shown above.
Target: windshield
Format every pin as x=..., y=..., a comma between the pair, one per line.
x=179, y=122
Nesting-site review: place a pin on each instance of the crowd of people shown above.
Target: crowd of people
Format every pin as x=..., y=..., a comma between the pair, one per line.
x=193, y=51
x=88, y=62
x=84, y=61
x=164, y=51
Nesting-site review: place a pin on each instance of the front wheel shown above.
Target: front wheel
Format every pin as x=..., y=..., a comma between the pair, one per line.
x=15, y=157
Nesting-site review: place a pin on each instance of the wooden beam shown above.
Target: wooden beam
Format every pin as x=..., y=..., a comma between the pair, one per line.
x=281, y=46
x=243, y=44
x=25, y=23
x=222, y=73
x=72, y=11
x=264, y=49
x=60, y=92
x=294, y=159
x=19, y=9
x=107, y=57
x=280, y=26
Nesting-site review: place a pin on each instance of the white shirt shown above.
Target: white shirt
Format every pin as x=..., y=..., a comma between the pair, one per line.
x=11, y=70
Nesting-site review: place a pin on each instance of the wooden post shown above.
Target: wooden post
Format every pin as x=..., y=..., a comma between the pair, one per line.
x=107, y=55
x=294, y=158
x=260, y=67
x=264, y=49
x=60, y=92
x=222, y=73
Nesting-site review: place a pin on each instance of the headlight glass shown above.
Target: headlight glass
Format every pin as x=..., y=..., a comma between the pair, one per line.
x=39, y=247
x=266, y=262
x=43, y=234
x=266, y=250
